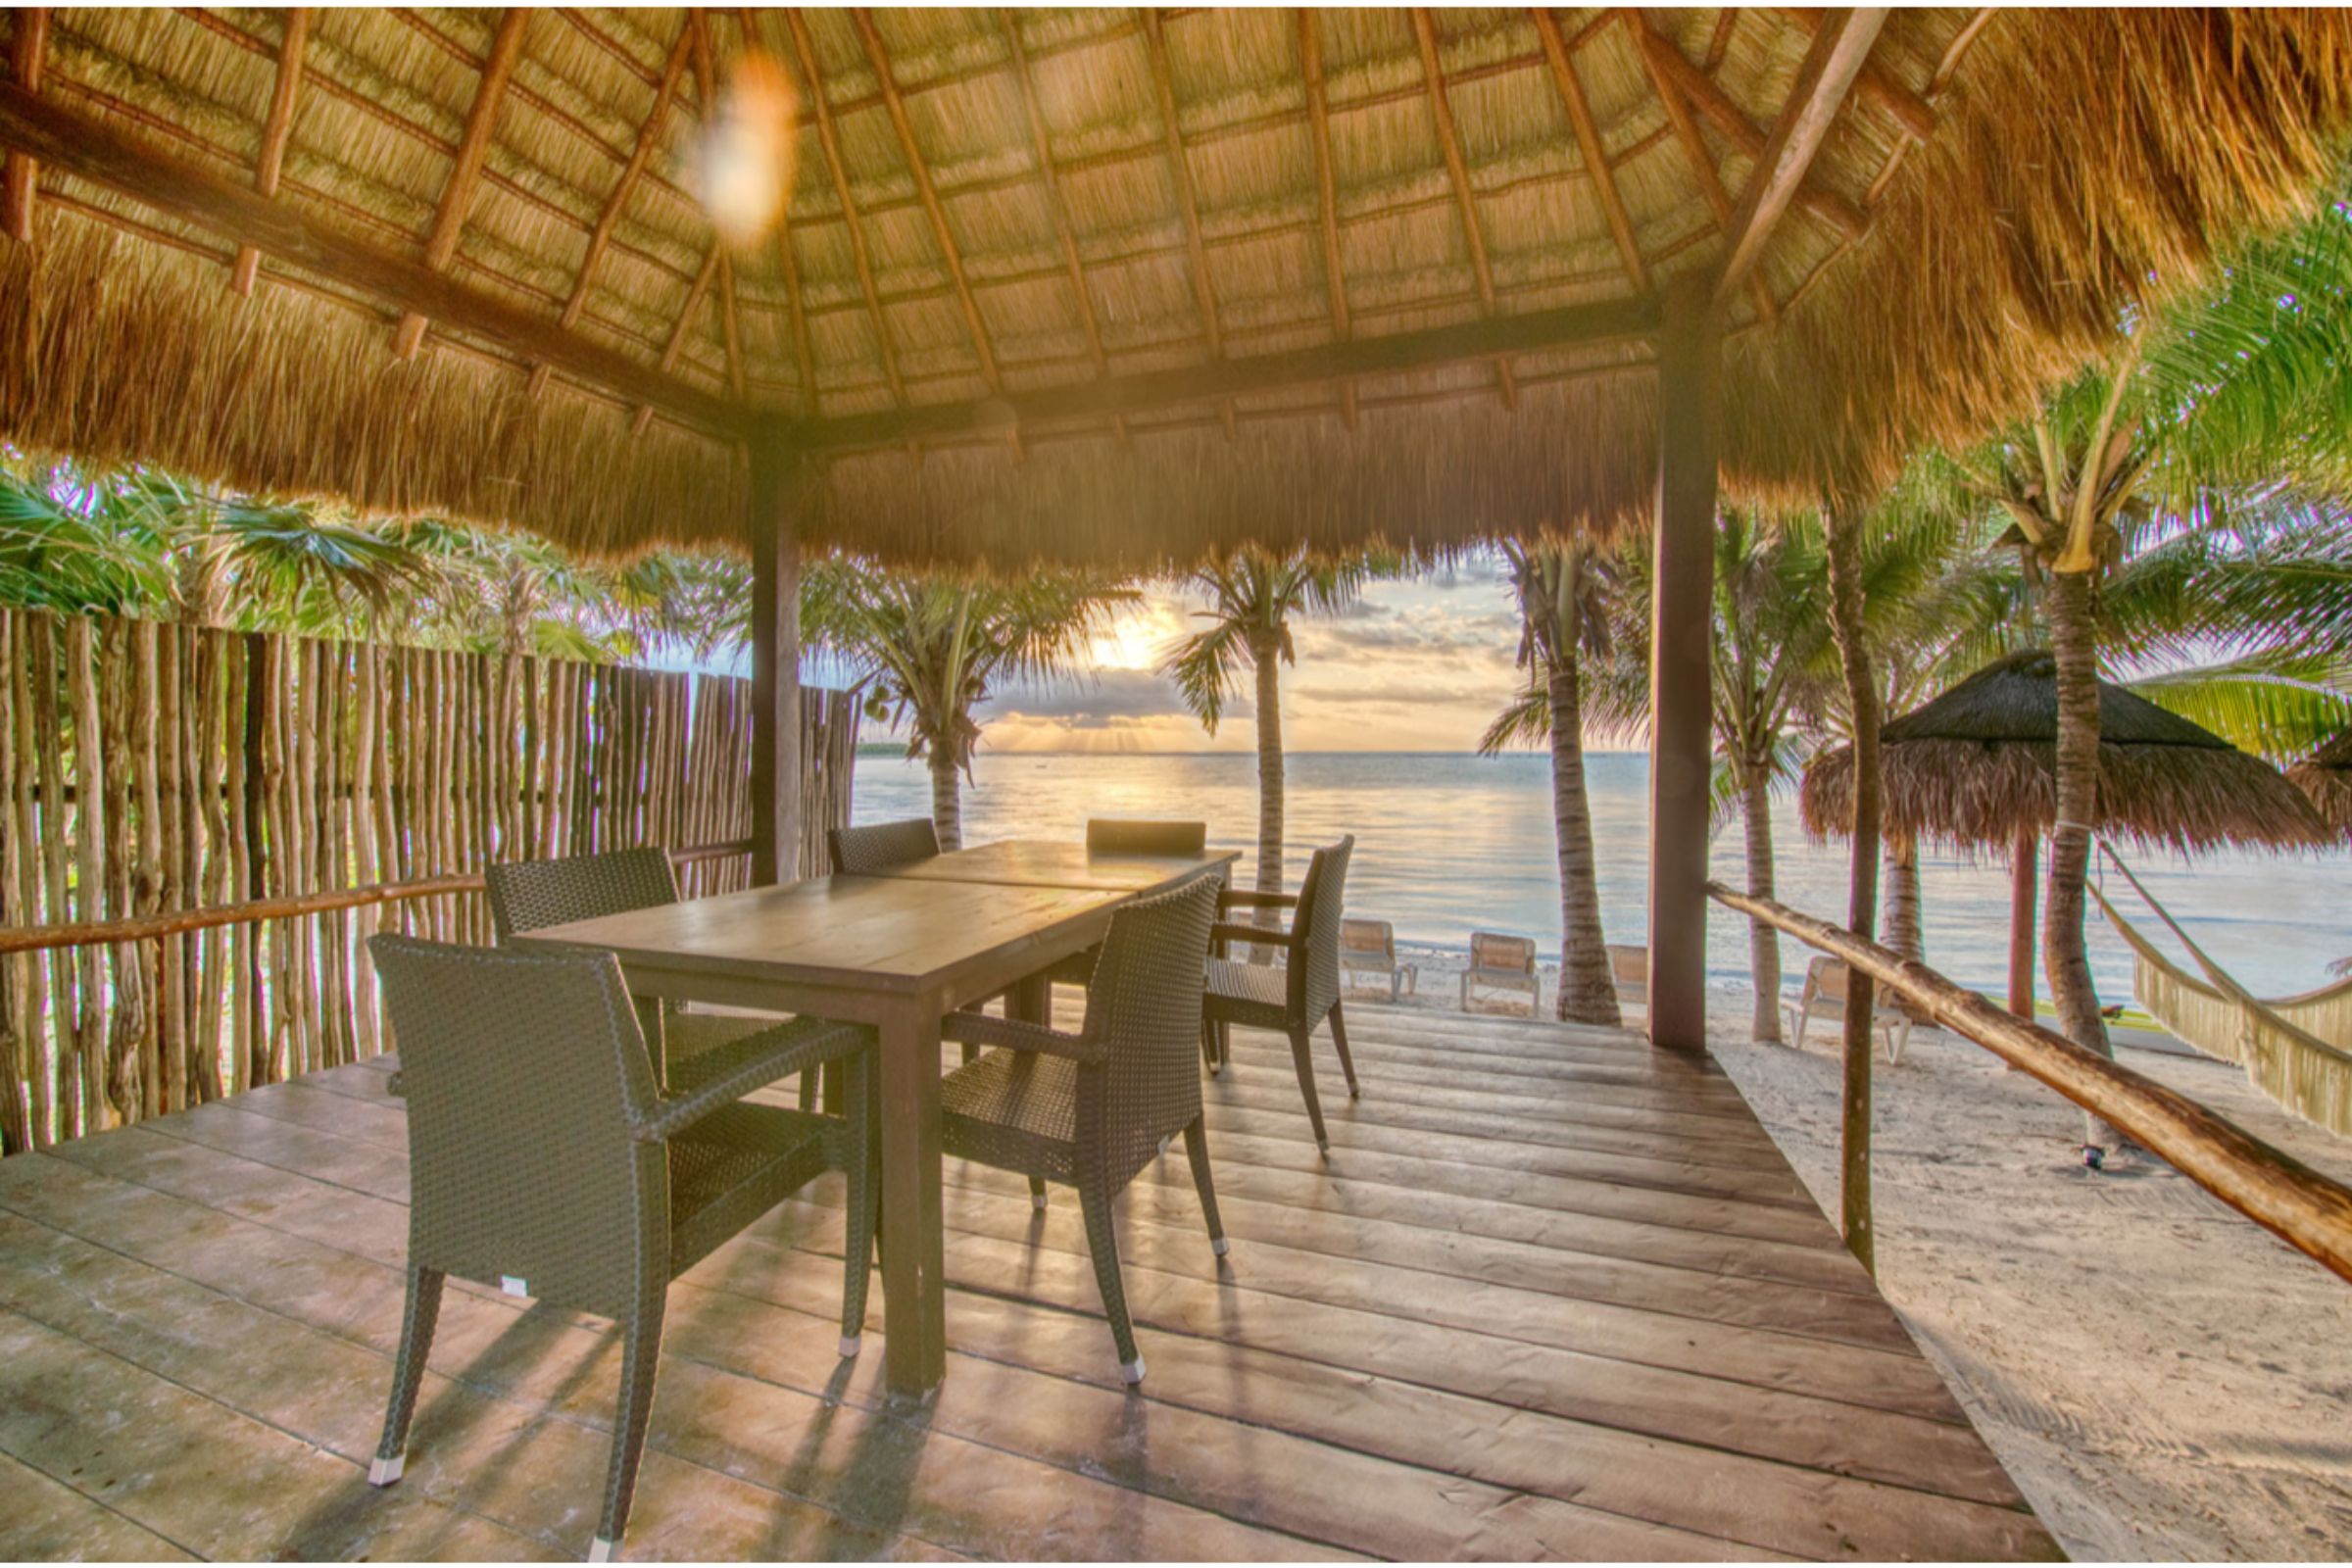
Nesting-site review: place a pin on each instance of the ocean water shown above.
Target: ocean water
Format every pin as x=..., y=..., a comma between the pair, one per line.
x=1447, y=842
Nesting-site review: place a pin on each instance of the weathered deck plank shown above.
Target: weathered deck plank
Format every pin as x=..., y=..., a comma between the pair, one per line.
x=1548, y=1297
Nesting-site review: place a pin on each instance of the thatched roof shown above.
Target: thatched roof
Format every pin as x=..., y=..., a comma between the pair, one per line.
x=1113, y=285
x=2326, y=775
x=1977, y=767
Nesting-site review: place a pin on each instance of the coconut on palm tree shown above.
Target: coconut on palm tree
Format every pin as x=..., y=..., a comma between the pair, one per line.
x=934, y=646
x=1254, y=596
x=1563, y=622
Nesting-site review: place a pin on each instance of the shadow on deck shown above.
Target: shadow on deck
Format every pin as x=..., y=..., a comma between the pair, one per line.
x=1553, y=1297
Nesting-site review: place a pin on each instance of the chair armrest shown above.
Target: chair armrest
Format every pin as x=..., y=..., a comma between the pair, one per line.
x=979, y=1029
x=1245, y=898
x=1270, y=936
x=727, y=1073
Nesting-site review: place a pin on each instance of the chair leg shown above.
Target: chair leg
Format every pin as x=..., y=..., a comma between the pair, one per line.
x=865, y=1171
x=1037, y=1192
x=1306, y=1086
x=641, y=1353
x=1094, y=1199
x=408, y=1374
x=1339, y=1038
x=1195, y=1149
x=1208, y=1046
x=809, y=1090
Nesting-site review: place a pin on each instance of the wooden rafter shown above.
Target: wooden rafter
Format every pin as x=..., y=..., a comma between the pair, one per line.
x=1912, y=115
x=274, y=131
x=1180, y=169
x=829, y=138
x=466, y=173
x=1729, y=118
x=1720, y=41
x=683, y=328
x=1064, y=232
x=1649, y=47
x=1458, y=171
x=99, y=152
x=1588, y=138
x=788, y=265
x=1840, y=50
x=706, y=87
x=19, y=178
x=1318, y=119
x=1143, y=392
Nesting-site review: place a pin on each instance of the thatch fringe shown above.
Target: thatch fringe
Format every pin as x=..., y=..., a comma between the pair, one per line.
x=120, y=351
x=2325, y=777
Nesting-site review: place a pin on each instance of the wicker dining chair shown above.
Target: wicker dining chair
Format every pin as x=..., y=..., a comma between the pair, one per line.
x=1095, y=1108
x=545, y=1161
x=1302, y=993
x=528, y=894
x=1109, y=835
x=864, y=851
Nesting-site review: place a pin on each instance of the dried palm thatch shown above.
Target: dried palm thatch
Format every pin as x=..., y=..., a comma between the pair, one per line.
x=986, y=208
x=2326, y=775
x=1975, y=768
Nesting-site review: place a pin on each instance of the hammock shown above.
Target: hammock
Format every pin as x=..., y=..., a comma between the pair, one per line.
x=2298, y=1050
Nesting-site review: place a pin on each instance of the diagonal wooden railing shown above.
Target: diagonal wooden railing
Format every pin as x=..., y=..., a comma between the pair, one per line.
x=2269, y=1185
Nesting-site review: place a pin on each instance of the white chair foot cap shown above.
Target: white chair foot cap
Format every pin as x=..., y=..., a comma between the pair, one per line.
x=602, y=1550
x=851, y=1345
x=1322, y=1146
x=383, y=1472
x=1037, y=1200
x=1164, y=1142
x=1220, y=1246
x=1132, y=1372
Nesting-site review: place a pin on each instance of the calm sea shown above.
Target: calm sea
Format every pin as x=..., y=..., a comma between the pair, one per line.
x=1448, y=843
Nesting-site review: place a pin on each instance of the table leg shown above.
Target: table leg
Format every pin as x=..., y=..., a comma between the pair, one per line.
x=913, y=1298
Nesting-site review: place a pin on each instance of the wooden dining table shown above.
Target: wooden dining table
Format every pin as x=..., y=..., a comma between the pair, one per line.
x=898, y=950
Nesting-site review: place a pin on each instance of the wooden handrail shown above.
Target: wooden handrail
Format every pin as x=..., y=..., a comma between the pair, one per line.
x=174, y=922
x=2270, y=1187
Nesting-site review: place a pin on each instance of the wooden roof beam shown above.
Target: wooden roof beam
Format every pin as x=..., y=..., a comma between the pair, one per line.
x=1841, y=49
x=829, y=138
x=1911, y=114
x=1318, y=119
x=1464, y=342
x=99, y=152
x=706, y=86
x=1064, y=232
x=1588, y=138
x=1729, y=118
x=1649, y=47
x=19, y=178
x=714, y=262
x=1459, y=172
x=275, y=132
x=1180, y=169
x=466, y=173
x=788, y=263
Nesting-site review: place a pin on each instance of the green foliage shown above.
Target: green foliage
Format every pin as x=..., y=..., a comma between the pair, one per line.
x=1253, y=597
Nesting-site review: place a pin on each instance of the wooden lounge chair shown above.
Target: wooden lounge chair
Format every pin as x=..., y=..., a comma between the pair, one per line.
x=546, y=1161
x=1629, y=969
x=1299, y=995
x=1824, y=997
x=1369, y=948
x=1501, y=962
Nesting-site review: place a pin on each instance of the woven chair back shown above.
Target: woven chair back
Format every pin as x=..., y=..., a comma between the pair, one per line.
x=526, y=894
x=864, y=851
x=1143, y=1006
x=1116, y=836
x=1314, y=965
x=522, y=1073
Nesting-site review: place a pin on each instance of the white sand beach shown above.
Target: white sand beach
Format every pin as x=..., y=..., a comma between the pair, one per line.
x=2162, y=1378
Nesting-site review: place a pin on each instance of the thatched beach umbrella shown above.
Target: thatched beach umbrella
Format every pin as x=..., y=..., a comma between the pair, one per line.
x=1975, y=768
x=2326, y=775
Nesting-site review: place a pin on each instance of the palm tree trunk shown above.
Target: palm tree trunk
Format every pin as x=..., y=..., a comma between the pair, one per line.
x=1763, y=942
x=947, y=798
x=1588, y=992
x=1855, y=1219
x=1266, y=653
x=1903, y=932
x=2065, y=955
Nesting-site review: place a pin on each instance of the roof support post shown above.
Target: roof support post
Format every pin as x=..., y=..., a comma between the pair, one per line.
x=778, y=492
x=1681, y=687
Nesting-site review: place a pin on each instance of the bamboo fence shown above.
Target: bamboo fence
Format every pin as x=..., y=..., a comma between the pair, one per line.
x=147, y=768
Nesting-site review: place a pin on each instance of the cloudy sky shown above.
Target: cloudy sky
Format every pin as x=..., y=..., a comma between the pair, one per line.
x=1414, y=667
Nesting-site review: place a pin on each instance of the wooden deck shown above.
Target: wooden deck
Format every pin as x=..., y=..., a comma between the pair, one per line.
x=1553, y=1297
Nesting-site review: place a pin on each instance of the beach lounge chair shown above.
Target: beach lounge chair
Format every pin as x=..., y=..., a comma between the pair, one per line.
x=1628, y=967
x=1297, y=997
x=1501, y=962
x=1369, y=947
x=1824, y=997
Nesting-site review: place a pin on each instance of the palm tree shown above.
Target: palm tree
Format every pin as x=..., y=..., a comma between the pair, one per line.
x=1253, y=597
x=1563, y=622
x=933, y=645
